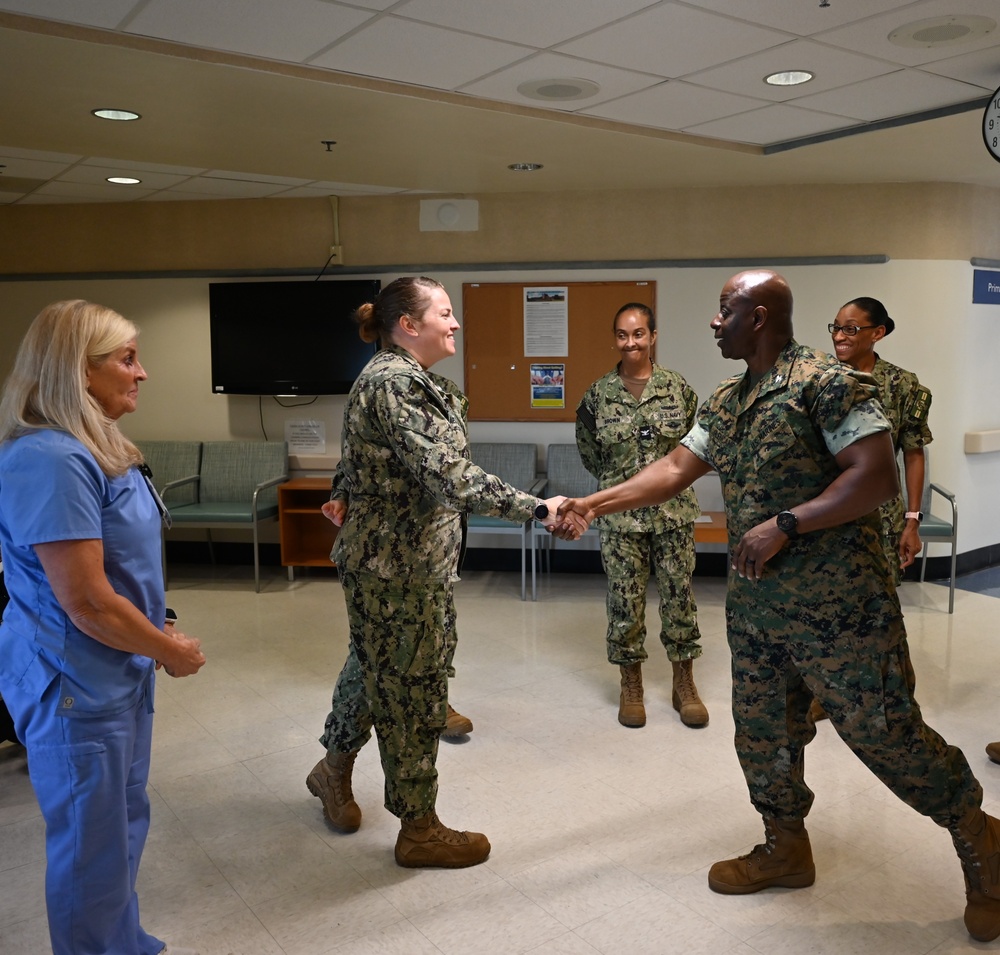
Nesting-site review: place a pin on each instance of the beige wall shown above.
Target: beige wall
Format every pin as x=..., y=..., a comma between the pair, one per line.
x=903, y=221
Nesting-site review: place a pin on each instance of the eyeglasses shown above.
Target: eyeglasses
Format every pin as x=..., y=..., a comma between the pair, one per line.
x=849, y=330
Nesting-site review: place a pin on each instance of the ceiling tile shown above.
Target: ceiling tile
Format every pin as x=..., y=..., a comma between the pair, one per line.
x=674, y=105
x=90, y=192
x=801, y=18
x=981, y=68
x=671, y=40
x=292, y=30
x=254, y=177
x=228, y=188
x=143, y=166
x=777, y=123
x=22, y=166
x=897, y=94
x=318, y=189
x=613, y=82
x=446, y=60
x=831, y=68
x=871, y=36
x=98, y=175
x=535, y=24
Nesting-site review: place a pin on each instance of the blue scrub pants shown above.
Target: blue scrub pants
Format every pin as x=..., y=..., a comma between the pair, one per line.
x=89, y=775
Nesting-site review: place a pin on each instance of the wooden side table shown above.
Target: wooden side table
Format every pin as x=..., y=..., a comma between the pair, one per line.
x=713, y=531
x=306, y=535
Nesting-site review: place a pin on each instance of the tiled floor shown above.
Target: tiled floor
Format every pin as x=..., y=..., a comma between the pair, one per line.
x=602, y=836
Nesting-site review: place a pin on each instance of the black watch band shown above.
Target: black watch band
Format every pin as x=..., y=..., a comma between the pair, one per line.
x=788, y=524
x=541, y=511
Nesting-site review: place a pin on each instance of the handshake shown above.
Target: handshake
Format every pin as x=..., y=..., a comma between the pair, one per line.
x=567, y=518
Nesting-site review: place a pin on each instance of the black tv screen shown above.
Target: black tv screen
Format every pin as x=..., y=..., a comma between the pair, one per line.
x=287, y=338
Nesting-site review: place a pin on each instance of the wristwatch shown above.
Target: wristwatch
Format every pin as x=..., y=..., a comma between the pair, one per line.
x=788, y=524
x=918, y=516
x=541, y=511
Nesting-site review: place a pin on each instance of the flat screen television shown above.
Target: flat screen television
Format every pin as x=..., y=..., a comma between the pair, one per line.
x=287, y=338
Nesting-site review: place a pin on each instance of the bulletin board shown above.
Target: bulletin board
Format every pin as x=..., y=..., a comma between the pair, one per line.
x=498, y=373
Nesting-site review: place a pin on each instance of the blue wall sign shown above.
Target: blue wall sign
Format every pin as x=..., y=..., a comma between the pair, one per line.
x=985, y=287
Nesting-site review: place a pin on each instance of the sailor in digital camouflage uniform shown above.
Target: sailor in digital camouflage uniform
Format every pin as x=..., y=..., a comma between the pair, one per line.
x=906, y=403
x=405, y=465
x=627, y=419
x=805, y=458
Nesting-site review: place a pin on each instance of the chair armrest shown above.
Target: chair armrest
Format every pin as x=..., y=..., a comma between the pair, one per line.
x=180, y=482
x=950, y=498
x=263, y=486
x=539, y=485
x=943, y=491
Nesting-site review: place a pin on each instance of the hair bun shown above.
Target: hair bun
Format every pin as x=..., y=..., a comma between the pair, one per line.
x=889, y=325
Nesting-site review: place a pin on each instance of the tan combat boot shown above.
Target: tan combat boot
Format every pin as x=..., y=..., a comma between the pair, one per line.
x=457, y=725
x=785, y=859
x=685, y=696
x=330, y=781
x=428, y=843
x=977, y=841
x=631, y=712
x=993, y=751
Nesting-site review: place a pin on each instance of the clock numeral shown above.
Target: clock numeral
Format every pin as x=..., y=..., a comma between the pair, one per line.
x=995, y=144
x=991, y=124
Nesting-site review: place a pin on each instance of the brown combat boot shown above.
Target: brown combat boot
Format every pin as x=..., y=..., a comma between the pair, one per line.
x=330, y=781
x=977, y=841
x=993, y=751
x=458, y=725
x=631, y=712
x=428, y=843
x=685, y=696
x=785, y=859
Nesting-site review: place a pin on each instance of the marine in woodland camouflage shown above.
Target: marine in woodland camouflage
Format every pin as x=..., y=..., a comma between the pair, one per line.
x=906, y=404
x=824, y=620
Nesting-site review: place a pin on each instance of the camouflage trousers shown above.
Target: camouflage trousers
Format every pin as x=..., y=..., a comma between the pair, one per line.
x=396, y=680
x=865, y=685
x=626, y=559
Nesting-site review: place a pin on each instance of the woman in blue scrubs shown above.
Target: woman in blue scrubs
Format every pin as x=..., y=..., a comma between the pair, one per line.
x=85, y=626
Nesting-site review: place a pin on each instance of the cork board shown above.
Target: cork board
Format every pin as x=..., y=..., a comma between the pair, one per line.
x=498, y=373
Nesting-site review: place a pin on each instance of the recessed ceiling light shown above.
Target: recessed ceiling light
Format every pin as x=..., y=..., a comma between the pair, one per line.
x=119, y=114
x=788, y=78
x=559, y=90
x=525, y=166
x=123, y=180
x=942, y=31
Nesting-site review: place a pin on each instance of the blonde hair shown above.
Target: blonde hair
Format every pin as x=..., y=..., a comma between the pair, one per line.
x=48, y=385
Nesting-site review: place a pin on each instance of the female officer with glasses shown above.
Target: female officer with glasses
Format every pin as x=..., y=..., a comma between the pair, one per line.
x=629, y=418
x=859, y=326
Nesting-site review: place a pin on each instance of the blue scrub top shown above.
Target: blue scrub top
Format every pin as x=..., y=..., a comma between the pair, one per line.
x=51, y=489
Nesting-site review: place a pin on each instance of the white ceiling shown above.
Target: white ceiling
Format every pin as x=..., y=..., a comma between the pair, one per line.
x=236, y=96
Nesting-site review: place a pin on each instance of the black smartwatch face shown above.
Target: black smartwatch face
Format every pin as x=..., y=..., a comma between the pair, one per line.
x=787, y=523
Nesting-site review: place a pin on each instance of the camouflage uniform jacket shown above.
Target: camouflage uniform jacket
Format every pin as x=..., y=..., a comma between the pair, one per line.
x=773, y=444
x=906, y=404
x=406, y=473
x=618, y=435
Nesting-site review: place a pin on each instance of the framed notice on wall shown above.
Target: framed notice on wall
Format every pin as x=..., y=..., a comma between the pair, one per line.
x=519, y=334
